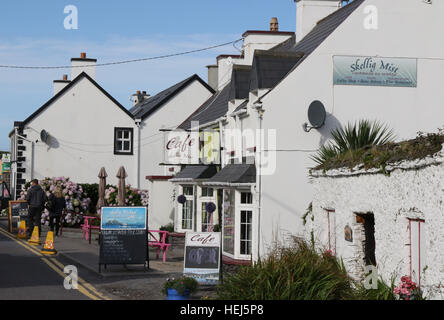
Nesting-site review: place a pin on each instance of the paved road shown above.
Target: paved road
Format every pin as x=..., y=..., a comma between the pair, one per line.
x=25, y=274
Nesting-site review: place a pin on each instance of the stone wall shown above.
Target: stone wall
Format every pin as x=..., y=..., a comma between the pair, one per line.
x=407, y=190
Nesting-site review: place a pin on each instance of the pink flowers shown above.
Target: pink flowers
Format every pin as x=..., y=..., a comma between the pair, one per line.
x=407, y=289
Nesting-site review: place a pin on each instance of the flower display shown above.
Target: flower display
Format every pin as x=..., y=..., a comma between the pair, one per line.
x=77, y=202
x=407, y=289
x=133, y=197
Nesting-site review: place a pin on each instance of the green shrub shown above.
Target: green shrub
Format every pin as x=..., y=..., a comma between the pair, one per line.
x=169, y=227
x=383, y=292
x=294, y=273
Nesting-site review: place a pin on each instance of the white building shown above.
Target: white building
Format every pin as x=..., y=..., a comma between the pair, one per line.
x=87, y=129
x=393, y=221
x=403, y=36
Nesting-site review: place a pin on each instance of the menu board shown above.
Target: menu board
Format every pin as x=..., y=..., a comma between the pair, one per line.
x=228, y=222
x=202, y=256
x=17, y=210
x=124, y=236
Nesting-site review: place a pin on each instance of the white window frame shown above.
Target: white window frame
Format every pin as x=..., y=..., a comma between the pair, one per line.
x=180, y=208
x=239, y=207
x=205, y=199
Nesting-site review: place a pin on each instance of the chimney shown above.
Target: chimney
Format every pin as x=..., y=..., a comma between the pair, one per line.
x=83, y=64
x=139, y=97
x=274, y=24
x=60, y=84
x=309, y=12
x=213, y=78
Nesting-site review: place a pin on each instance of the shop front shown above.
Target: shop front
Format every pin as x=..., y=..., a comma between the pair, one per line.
x=238, y=213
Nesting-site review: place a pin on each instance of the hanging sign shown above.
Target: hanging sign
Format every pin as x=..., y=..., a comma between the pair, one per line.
x=202, y=256
x=375, y=71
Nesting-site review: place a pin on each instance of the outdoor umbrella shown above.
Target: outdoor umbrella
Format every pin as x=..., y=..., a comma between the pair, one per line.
x=102, y=185
x=121, y=175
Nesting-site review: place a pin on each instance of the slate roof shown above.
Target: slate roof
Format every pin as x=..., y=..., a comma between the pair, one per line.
x=240, y=82
x=210, y=110
x=234, y=174
x=190, y=173
x=269, y=67
x=146, y=107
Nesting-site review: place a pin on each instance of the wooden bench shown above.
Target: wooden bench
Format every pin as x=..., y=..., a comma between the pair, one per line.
x=159, y=242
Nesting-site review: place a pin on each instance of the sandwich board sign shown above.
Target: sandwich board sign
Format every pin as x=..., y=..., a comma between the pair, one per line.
x=124, y=236
x=202, y=256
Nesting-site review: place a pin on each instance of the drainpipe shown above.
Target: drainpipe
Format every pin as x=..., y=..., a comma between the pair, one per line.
x=258, y=106
x=138, y=152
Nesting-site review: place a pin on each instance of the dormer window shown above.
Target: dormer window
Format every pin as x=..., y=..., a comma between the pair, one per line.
x=123, y=141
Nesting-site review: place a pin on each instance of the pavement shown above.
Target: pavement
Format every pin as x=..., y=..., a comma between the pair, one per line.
x=117, y=282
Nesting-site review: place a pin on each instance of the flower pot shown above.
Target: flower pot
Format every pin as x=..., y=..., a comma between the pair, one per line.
x=172, y=294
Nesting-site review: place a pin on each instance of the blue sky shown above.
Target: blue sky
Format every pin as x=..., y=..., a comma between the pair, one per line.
x=33, y=33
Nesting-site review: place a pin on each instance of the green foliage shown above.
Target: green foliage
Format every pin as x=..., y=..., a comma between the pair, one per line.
x=180, y=284
x=383, y=292
x=354, y=137
x=216, y=228
x=309, y=210
x=294, y=273
x=92, y=191
x=298, y=272
x=169, y=227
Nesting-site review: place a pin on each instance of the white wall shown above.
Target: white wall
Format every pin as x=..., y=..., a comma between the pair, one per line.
x=394, y=199
x=406, y=29
x=81, y=124
x=171, y=115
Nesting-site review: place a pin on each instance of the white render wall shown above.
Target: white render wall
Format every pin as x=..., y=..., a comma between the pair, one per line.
x=171, y=115
x=81, y=124
x=414, y=193
x=406, y=29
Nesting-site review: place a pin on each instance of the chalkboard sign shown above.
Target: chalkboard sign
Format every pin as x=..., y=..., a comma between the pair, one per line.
x=123, y=247
x=202, y=256
x=124, y=236
x=17, y=210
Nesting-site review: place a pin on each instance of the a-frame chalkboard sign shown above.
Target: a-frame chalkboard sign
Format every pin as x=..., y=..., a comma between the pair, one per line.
x=124, y=236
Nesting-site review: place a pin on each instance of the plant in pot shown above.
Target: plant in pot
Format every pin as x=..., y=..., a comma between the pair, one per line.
x=179, y=289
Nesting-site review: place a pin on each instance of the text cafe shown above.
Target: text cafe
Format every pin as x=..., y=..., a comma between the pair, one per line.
x=214, y=198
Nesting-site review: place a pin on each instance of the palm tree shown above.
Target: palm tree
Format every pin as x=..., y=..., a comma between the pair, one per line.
x=355, y=136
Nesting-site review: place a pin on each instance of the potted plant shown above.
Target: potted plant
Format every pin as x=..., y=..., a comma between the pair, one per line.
x=179, y=289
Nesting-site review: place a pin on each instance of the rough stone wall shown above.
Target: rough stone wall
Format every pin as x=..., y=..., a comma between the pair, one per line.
x=412, y=190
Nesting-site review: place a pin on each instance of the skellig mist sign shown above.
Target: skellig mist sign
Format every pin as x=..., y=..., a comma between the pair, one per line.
x=375, y=71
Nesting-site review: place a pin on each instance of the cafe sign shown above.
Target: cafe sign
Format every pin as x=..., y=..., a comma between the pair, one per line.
x=375, y=71
x=184, y=147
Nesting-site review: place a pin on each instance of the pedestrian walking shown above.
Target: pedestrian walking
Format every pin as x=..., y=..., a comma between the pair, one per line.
x=36, y=198
x=57, y=205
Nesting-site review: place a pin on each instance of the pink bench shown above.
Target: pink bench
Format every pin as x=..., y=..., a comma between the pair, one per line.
x=159, y=242
x=87, y=227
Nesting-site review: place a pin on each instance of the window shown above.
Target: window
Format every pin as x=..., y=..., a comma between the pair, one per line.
x=369, y=244
x=207, y=192
x=188, y=191
x=207, y=219
x=246, y=198
x=123, y=141
x=245, y=236
x=187, y=215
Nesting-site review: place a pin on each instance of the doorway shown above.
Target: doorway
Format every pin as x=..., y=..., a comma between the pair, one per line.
x=368, y=240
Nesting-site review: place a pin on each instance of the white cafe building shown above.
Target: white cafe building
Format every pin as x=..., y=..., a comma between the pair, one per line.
x=370, y=59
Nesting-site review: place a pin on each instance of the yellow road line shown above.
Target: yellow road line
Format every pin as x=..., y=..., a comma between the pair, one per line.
x=84, y=282
x=54, y=267
x=79, y=287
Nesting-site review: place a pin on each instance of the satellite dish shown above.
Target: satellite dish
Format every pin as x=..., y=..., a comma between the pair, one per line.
x=44, y=136
x=316, y=116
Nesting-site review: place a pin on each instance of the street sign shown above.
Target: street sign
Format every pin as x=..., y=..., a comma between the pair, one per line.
x=17, y=210
x=202, y=256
